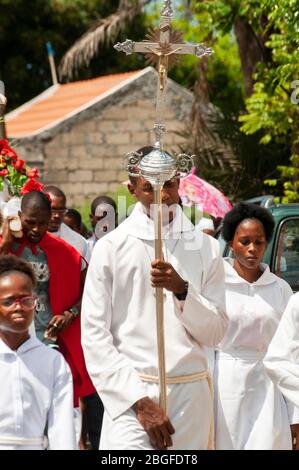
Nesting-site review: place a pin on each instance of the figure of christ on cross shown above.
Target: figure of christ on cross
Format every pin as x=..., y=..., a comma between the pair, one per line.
x=162, y=48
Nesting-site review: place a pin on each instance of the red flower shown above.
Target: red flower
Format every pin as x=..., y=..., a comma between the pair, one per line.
x=9, y=153
x=3, y=144
x=33, y=173
x=3, y=172
x=31, y=185
x=18, y=165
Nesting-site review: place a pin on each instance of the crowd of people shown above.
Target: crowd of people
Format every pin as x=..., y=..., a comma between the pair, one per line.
x=78, y=353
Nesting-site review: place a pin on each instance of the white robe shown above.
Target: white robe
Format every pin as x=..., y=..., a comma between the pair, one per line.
x=74, y=239
x=36, y=388
x=119, y=327
x=250, y=410
x=282, y=358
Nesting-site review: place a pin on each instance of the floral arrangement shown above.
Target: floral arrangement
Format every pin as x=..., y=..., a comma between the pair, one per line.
x=16, y=178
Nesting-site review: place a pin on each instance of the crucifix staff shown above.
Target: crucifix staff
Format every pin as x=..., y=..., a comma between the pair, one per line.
x=161, y=48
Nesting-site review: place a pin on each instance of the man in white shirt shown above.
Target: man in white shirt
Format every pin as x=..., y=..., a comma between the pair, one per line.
x=60, y=229
x=119, y=327
x=282, y=362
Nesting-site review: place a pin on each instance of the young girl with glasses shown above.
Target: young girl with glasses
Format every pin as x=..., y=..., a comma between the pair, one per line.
x=36, y=383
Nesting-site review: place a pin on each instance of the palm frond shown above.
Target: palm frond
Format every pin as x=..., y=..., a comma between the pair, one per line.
x=101, y=33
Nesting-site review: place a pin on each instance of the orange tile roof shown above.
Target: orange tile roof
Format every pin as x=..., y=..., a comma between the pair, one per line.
x=58, y=102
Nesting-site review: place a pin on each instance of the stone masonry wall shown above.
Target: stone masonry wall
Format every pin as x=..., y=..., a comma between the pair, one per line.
x=85, y=157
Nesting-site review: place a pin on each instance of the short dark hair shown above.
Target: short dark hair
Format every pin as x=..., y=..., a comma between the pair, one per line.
x=244, y=211
x=36, y=200
x=49, y=188
x=102, y=200
x=11, y=263
x=75, y=215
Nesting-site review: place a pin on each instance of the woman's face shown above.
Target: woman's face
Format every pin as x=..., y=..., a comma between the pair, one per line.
x=249, y=244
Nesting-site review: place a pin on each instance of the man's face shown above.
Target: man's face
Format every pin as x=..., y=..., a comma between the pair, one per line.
x=58, y=210
x=143, y=191
x=35, y=223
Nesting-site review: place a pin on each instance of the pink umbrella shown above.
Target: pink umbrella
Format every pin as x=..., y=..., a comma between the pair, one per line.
x=194, y=190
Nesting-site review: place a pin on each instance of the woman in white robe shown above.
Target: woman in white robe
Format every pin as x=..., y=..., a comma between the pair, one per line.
x=282, y=360
x=250, y=411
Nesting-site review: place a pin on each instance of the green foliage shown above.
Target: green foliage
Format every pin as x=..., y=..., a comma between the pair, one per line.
x=226, y=83
x=272, y=108
x=26, y=26
x=257, y=154
x=288, y=182
x=270, y=116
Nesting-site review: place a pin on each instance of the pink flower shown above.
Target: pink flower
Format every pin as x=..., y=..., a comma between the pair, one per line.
x=31, y=185
x=3, y=172
x=33, y=173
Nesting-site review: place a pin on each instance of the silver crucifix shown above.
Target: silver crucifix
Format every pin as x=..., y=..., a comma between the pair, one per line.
x=162, y=48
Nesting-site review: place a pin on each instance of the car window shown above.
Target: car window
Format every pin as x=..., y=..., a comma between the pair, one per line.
x=285, y=260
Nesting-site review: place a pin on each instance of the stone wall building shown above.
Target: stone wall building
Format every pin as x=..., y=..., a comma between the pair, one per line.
x=78, y=133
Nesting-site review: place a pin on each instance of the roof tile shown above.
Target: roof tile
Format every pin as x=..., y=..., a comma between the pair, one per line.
x=65, y=99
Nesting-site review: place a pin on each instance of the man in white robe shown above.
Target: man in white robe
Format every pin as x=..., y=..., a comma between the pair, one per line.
x=119, y=327
x=282, y=362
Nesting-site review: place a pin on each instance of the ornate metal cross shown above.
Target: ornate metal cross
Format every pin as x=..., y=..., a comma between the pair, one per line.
x=161, y=48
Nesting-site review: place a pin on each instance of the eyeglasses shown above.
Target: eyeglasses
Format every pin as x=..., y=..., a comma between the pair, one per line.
x=27, y=303
x=59, y=211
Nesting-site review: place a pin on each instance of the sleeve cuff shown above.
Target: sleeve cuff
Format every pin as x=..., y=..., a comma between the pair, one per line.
x=120, y=390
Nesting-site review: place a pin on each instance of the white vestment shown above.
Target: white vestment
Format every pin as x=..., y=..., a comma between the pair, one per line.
x=90, y=246
x=74, y=239
x=282, y=358
x=119, y=327
x=36, y=389
x=250, y=410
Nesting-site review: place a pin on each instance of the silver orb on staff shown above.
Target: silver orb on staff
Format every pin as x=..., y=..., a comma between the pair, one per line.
x=161, y=48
